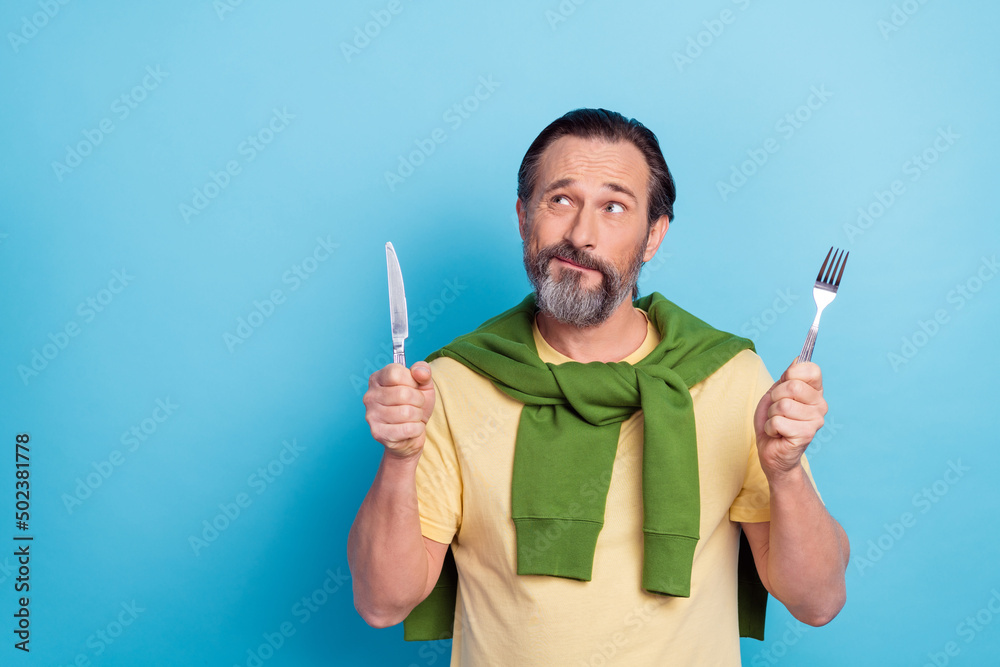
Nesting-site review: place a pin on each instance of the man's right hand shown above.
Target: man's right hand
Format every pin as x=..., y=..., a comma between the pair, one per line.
x=398, y=403
x=393, y=566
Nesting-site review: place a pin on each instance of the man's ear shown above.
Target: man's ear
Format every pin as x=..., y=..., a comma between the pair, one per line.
x=655, y=238
x=522, y=219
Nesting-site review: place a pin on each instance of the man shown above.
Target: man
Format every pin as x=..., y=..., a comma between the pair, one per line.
x=594, y=510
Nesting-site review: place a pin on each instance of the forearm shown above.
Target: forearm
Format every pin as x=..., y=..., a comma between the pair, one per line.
x=808, y=550
x=385, y=548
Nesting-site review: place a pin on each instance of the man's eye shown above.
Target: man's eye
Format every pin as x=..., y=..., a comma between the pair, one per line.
x=614, y=207
x=560, y=199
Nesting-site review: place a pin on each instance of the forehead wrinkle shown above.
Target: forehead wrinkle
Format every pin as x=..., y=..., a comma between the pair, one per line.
x=610, y=185
x=601, y=160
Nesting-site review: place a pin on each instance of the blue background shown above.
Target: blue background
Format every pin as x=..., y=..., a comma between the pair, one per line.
x=909, y=360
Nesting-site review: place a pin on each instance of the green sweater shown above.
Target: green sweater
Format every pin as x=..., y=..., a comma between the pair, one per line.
x=567, y=438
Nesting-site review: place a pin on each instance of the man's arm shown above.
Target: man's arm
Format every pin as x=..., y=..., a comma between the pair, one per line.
x=393, y=566
x=802, y=553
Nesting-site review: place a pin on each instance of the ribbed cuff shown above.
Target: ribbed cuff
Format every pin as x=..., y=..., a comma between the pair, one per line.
x=556, y=547
x=667, y=562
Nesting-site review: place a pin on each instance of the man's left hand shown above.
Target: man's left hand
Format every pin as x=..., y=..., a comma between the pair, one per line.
x=788, y=417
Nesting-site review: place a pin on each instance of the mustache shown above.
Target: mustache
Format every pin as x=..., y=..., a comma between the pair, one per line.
x=567, y=251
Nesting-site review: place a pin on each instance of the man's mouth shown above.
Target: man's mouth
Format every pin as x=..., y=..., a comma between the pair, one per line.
x=572, y=263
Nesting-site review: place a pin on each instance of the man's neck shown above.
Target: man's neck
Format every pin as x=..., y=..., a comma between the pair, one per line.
x=613, y=340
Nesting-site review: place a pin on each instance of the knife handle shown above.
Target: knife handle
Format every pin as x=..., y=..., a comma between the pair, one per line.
x=398, y=357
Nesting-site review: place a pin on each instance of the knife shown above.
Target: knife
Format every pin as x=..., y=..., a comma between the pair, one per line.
x=397, y=305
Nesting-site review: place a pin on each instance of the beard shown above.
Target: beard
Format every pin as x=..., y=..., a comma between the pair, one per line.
x=567, y=299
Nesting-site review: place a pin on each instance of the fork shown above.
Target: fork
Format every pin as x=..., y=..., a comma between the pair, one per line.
x=824, y=291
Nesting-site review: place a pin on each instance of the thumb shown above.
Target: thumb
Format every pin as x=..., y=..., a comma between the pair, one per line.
x=421, y=372
x=784, y=376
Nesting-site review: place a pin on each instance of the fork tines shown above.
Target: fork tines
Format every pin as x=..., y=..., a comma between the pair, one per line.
x=836, y=268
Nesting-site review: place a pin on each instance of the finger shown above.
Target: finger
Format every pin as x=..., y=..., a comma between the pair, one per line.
x=807, y=372
x=393, y=396
x=792, y=409
x=797, y=390
x=396, y=414
x=391, y=375
x=796, y=432
x=394, y=434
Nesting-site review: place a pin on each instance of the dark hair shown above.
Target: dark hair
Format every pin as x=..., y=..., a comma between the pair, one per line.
x=613, y=127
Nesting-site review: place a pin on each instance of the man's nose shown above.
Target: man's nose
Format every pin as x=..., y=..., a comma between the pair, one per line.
x=582, y=232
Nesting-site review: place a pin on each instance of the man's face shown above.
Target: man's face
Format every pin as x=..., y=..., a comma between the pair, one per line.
x=585, y=229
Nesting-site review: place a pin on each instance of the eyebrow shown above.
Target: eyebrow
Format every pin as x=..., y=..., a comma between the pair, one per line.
x=614, y=187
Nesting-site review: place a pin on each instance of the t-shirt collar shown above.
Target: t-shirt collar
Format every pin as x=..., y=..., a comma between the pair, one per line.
x=550, y=355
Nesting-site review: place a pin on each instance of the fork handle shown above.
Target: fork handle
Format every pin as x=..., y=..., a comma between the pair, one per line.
x=807, y=348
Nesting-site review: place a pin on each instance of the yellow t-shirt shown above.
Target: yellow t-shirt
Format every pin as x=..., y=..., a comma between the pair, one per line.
x=502, y=618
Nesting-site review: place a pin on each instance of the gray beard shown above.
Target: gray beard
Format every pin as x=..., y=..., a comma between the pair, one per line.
x=566, y=299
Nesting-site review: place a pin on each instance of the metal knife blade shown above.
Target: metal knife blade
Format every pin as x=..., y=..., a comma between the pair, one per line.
x=397, y=305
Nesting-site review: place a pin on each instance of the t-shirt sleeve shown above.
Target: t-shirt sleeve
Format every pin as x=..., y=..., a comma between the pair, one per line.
x=753, y=503
x=438, y=476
